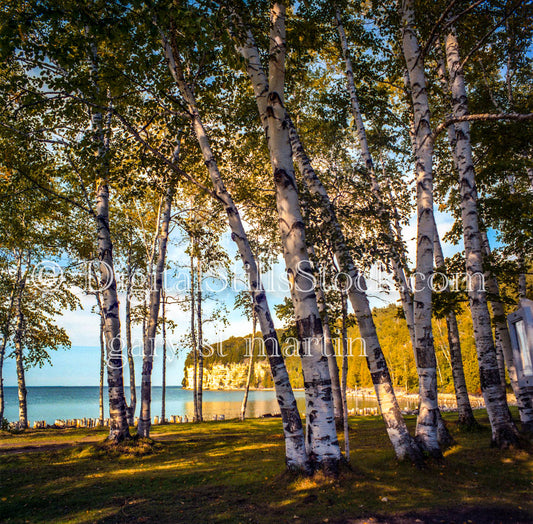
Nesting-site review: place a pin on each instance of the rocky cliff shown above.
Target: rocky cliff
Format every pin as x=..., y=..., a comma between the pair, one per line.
x=232, y=375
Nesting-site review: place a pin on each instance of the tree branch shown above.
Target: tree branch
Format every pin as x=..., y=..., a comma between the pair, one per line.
x=484, y=117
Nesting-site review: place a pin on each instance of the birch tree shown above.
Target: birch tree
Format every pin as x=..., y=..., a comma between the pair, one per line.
x=427, y=422
x=504, y=432
x=155, y=298
x=295, y=452
x=402, y=442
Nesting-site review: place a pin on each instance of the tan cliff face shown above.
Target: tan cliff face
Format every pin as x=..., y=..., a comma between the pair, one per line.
x=231, y=376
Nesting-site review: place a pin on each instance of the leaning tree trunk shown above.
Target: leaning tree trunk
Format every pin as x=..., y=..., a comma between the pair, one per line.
x=403, y=444
x=504, y=432
x=130, y=410
x=427, y=421
x=295, y=452
x=200, y=339
x=399, y=274
x=523, y=396
x=465, y=414
x=397, y=263
x=250, y=368
x=321, y=438
x=145, y=419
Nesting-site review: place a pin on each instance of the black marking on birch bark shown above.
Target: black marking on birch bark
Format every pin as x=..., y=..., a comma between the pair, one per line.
x=380, y=376
x=309, y=327
x=284, y=179
x=292, y=421
x=489, y=377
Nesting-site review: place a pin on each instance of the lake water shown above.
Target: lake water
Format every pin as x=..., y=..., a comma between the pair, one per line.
x=51, y=403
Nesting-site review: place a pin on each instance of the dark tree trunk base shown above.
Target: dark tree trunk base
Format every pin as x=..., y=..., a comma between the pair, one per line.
x=299, y=470
x=130, y=416
x=116, y=436
x=328, y=467
x=506, y=437
x=444, y=437
x=434, y=453
x=468, y=423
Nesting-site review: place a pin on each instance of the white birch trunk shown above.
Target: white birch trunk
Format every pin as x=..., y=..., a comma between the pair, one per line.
x=145, y=420
x=118, y=428
x=250, y=368
x=19, y=356
x=504, y=432
x=321, y=437
x=329, y=349
x=130, y=410
x=193, y=334
x=295, y=452
x=427, y=422
x=6, y=329
x=464, y=409
x=199, y=394
x=402, y=442
x=397, y=266
x=524, y=398
x=164, y=370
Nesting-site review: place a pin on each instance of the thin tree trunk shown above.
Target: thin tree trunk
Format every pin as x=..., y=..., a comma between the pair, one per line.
x=403, y=444
x=466, y=415
x=522, y=283
x=397, y=263
x=250, y=368
x=499, y=356
x=19, y=356
x=321, y=437
x=427, y=421
x=102, y=369
x=193, y=334
x=329, y=349
x=164, y=371
x=6, y=328
x=504, y=432
x=118, y=427
x=345, y=377
x=200, y=339
x=145, y=419
x=130, y=410
x=524, y=398
x=295, y=452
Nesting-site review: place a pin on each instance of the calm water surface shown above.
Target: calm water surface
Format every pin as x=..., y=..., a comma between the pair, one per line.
x=51, y=403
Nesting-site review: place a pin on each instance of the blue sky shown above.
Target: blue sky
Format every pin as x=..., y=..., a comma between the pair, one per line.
x=79, y=366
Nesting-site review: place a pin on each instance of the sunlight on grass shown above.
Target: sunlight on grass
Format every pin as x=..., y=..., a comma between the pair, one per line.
x=204, y=472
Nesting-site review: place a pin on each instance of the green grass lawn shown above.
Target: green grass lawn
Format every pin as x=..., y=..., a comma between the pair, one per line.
x=234, y=472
